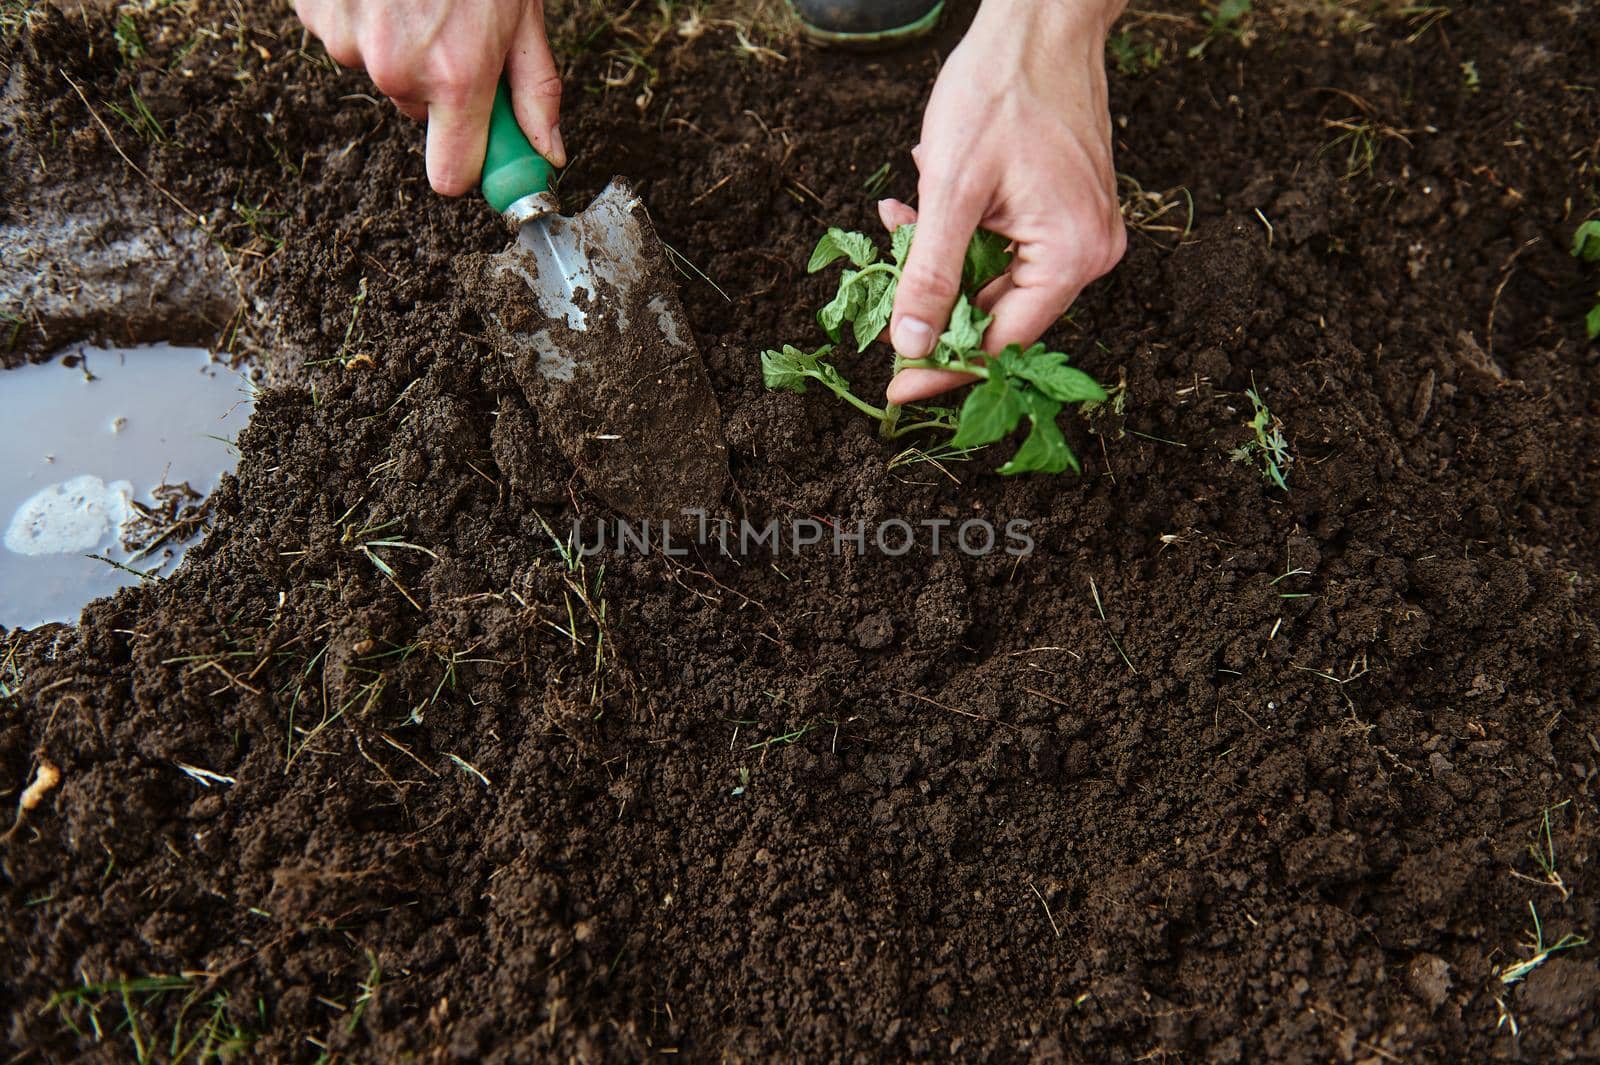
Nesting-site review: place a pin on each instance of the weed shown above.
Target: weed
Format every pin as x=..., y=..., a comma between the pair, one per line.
x=1222, y=21
x=350, y=334
x=1269, y=448
x=1586, y=248
x=10, y=674
x=587, y=592
x=365, y=539
x=369, y=986
x=259, y=220
x=130, y=45
x=1360, y=137
x=878, y=180
x=294, y=689
x=1539, y=951
x=1133, y=56
x=1543, y=852
x=215, y=1038
x=140, y=119
x=792, y=736
x=1014, y=384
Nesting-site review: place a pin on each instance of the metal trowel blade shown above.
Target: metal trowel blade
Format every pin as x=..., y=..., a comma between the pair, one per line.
x=587, y=308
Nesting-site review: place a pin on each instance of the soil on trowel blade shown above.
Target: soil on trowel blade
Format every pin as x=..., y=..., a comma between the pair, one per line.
x=632, y=411
x=1218, y=773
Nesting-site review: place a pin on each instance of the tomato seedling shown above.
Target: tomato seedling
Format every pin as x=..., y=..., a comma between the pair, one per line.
x=1034, y=383
x=1586, y=248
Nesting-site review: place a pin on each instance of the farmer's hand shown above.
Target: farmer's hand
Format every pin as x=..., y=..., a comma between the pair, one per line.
x=440, y=60
x=1016, y=139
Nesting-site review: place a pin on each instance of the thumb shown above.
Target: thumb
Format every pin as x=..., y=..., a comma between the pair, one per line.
x=536, y=86
x=932, y=277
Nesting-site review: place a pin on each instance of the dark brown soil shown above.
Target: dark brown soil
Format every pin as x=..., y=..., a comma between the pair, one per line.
x=1274, y=804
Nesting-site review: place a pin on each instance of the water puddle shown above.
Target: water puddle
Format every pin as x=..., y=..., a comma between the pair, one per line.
x=109, y=453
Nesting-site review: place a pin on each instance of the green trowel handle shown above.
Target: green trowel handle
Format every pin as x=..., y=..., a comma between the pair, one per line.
x=511, y=168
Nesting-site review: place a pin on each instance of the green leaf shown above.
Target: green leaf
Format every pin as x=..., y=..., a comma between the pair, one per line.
x=839, y=244
x=1232, y=10
x=964, y=335
x=1049, y=373
x=877, y=304
x=1586, y=241
x=902, y=242
x=844, y=306
x=1045, y=450
x=788, y=369
x=987, y=259
x=991, y=410
x=1593, y=322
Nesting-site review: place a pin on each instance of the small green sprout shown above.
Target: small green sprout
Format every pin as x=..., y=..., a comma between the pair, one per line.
x=1222, y=21
x=1269, y=448
x=1015, y=384
x=1586, y=248
x=1132, y=56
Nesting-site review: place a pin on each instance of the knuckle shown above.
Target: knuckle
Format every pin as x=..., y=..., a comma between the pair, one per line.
x=926, y=282
x=546, y=87
x=392, y=77
x=453, y=79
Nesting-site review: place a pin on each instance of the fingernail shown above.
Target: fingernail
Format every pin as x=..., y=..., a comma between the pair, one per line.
x=913, y=338
x=557, y=149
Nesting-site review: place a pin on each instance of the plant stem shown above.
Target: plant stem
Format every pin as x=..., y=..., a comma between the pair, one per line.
x=858, y=403
x=932, y=423
x=879, y=268
x=891, y=415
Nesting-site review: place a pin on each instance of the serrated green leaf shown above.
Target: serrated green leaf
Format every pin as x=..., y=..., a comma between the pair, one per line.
x=902, y=242
x=839, y=244
x=877, y=304
x=991, y=410
x=964, y=335
x=1586, y=241
x=986, y=260
x=1049, y=373
x=787, y=370
x=1045, y=450
x=1593, y=322
x=844, y=306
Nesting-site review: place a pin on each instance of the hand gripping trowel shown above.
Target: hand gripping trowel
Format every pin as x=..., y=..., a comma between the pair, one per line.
x=585, y=309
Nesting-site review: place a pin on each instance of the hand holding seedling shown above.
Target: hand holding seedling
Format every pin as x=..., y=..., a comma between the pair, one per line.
x=1018, y=384
x=440, y=60
x=1016, y=139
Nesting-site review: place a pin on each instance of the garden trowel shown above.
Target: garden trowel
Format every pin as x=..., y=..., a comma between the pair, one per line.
x=585, y=308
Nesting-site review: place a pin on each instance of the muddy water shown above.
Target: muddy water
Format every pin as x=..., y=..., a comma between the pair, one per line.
x=86, y=440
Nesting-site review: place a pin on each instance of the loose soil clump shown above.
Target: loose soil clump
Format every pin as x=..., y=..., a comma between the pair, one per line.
x=1219, y=772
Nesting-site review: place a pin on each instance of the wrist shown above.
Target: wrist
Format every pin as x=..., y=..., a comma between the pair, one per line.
x=1051, y=21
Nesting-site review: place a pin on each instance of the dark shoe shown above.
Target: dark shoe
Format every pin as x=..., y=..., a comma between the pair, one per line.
x=866, y=23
